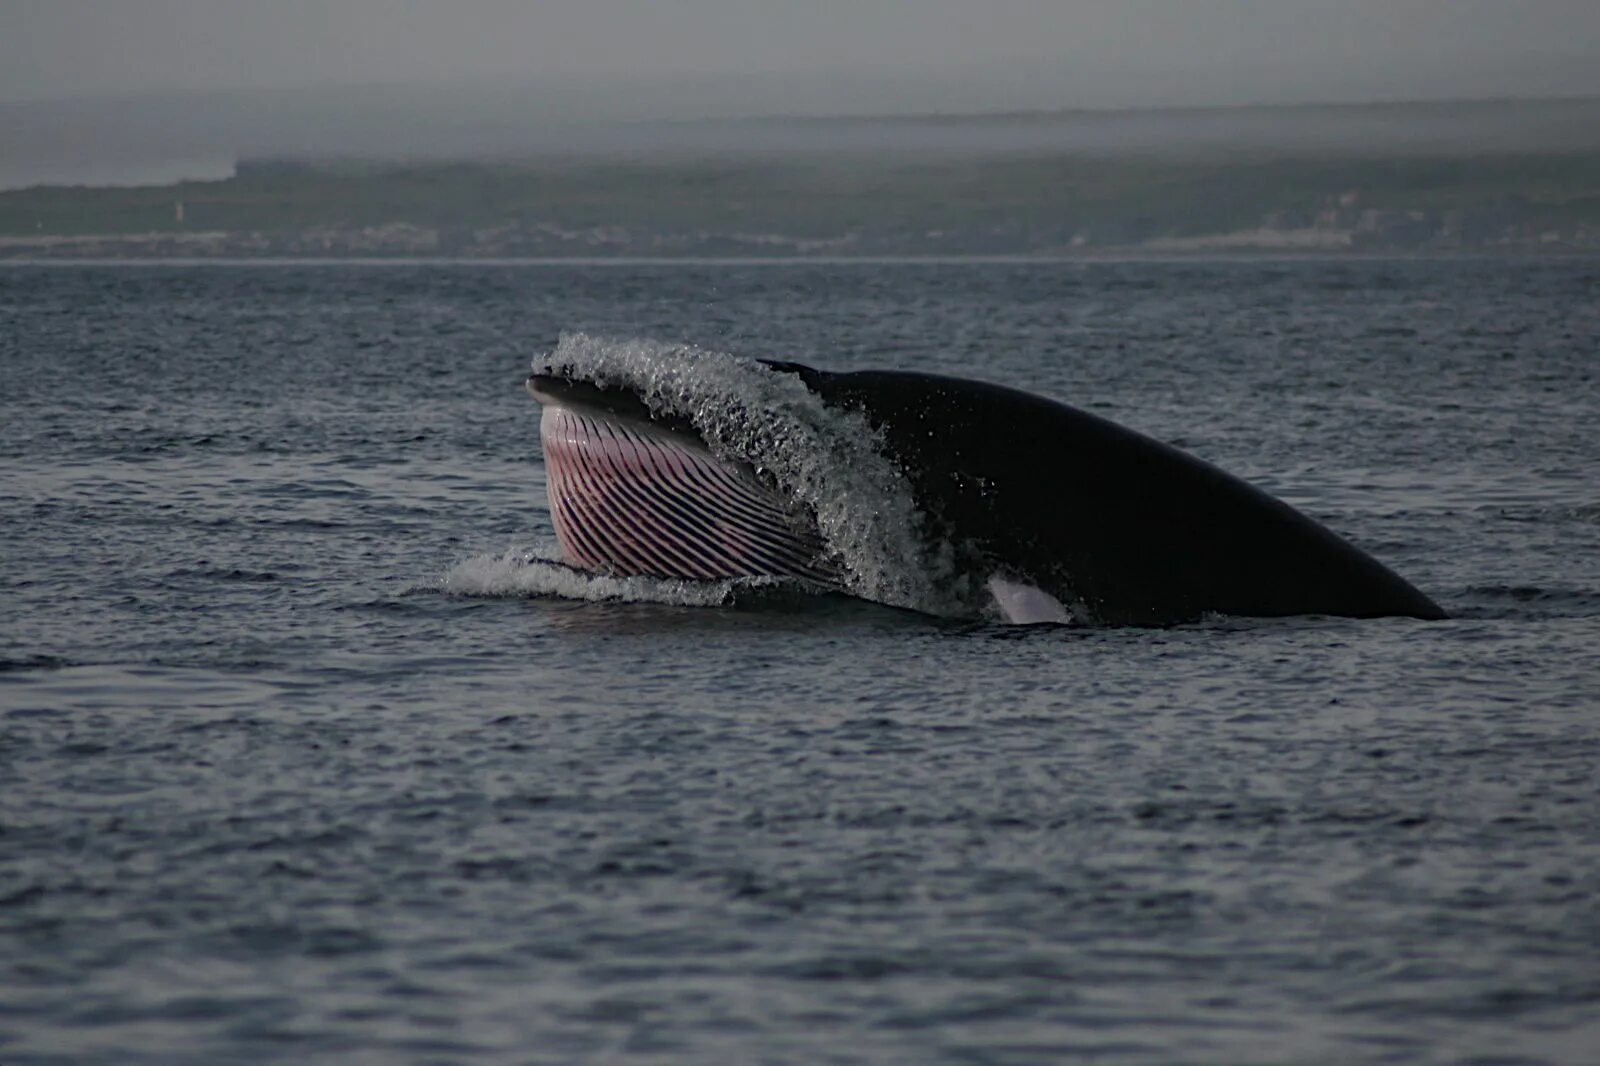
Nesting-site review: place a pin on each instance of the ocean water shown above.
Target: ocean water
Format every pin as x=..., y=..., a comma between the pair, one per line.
x=307, y=751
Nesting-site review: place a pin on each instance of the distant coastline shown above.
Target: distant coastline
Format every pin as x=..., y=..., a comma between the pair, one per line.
x=1032, y=207
x=112, y=253
x=1062, y=186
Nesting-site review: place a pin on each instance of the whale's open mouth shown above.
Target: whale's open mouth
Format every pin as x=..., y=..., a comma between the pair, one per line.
x=946, y=495
x=634, y=493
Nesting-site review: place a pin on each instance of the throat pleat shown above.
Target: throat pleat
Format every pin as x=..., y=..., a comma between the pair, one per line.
x=633, y=499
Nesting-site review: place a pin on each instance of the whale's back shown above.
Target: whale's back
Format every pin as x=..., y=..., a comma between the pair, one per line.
x=1132, y=529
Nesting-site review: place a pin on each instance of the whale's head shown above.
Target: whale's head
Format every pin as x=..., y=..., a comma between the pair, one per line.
x=948, y=495
x=639, y=492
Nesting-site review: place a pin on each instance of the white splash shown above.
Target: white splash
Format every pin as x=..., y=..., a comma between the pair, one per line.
x=539, y=571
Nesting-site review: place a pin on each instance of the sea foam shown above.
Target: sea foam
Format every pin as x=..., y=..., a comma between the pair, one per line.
x=537, y=570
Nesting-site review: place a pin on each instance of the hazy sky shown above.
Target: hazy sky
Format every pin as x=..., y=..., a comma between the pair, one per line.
x=856, y=55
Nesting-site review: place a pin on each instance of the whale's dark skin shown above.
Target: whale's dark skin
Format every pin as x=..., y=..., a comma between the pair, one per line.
x=1124, y=528
x=1134, y=530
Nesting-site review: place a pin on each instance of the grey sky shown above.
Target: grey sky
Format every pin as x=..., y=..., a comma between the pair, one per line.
x=673, y=57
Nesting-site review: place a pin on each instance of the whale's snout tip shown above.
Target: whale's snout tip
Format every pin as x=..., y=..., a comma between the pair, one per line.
x=552, y=382
x=542, y=386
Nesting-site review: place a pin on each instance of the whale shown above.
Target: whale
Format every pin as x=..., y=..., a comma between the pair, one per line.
x=1049, y=512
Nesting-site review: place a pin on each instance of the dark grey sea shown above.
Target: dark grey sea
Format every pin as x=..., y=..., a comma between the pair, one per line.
x=298, y=763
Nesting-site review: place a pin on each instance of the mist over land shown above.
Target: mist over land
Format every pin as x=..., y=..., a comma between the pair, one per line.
x=393, y=180
x=711, y=127
x=121, y=140
x=305, y=173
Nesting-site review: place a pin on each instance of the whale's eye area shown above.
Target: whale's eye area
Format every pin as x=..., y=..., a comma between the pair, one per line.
x=628, y=497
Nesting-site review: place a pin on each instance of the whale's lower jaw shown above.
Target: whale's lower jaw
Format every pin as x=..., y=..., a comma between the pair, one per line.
x=636, y=499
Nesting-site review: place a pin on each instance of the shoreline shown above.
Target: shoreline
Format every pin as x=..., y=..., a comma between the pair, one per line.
x=1127, y=255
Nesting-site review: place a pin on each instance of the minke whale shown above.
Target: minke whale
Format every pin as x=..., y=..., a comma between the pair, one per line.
x=1057, y=514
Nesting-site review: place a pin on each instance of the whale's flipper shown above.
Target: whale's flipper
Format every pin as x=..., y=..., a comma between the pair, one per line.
x=1024, y=604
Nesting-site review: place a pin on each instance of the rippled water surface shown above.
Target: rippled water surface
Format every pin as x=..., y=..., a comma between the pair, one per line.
x=300, y=758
